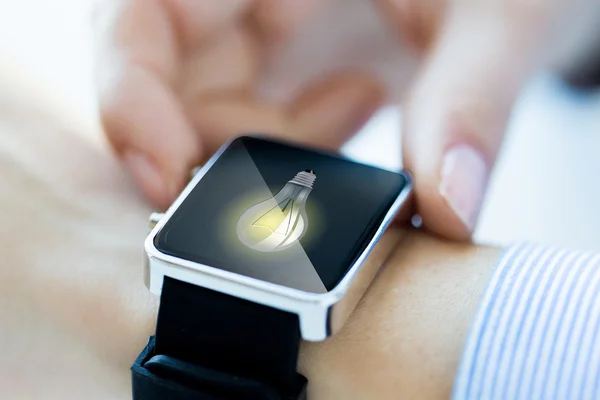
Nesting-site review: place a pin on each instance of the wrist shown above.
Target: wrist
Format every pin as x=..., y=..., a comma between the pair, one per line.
x=407, y=334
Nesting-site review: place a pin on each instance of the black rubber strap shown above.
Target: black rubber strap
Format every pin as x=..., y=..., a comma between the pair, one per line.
x=156, y=377
x=221, y=346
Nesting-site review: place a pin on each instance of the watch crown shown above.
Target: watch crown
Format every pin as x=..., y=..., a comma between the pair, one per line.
x=154, y=218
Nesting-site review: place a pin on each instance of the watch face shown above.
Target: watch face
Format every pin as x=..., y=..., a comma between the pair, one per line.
x=281, y=214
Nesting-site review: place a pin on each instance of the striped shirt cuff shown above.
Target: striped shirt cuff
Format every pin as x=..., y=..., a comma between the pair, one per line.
x=537, y=333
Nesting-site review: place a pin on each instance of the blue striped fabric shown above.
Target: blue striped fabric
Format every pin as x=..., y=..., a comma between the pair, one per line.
x=537, y=333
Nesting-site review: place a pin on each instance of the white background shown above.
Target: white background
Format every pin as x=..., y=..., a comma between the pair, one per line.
x=546, y=186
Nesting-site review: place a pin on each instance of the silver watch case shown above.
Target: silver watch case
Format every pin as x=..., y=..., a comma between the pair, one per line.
x=320, y=315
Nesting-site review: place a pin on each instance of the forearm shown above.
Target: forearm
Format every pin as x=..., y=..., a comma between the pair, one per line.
x=406, y=336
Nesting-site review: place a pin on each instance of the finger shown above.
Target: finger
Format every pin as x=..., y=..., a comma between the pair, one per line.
x=332, y=110
x=277, y=20
x=139, y=110
x=324, y=115
x=457, y=113
x=416, y=21
x=142, y=115
x=199, y=20
x=147, y=128
x=219, y=119
x=229, y=64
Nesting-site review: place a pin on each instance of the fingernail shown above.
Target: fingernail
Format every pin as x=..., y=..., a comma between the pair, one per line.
x=464, y=180
x=147, y=175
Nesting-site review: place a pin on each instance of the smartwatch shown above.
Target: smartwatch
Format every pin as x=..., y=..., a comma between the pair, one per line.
x=265, y=247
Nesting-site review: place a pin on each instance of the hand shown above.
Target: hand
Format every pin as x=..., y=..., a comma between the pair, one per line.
x=178, y=78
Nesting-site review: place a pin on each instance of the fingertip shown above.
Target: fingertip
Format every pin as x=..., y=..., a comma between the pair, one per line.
x=145, y=125
x=450, y=190
x=449, y=186
x=439, y=218
x=149, y=178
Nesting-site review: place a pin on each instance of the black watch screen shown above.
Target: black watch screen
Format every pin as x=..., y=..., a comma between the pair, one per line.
x=281, y=214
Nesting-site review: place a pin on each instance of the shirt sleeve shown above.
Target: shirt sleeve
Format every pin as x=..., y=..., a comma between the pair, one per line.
x=537, y=332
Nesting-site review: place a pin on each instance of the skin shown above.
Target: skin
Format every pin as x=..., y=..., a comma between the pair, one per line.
x=75, y=313
x=177, y=78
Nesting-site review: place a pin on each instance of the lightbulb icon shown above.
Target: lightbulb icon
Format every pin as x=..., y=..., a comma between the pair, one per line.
x=279, y=221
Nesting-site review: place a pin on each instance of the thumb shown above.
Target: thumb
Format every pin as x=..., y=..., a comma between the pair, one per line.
x=457, y=112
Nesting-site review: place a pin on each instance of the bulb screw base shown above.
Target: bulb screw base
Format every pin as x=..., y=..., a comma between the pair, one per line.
x=304, y=178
